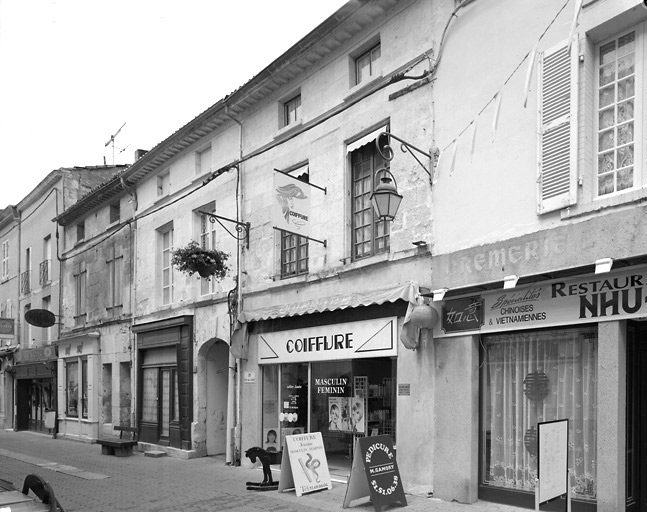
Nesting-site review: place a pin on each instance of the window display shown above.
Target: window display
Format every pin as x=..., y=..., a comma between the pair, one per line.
x=533, y=377
x=341, y=399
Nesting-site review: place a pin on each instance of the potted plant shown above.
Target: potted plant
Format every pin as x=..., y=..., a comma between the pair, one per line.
x=195, y=259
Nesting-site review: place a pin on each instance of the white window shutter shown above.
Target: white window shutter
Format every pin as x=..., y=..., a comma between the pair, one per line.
x=557, y=153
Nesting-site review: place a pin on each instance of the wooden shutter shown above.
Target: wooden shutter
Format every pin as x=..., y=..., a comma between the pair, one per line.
x=557, y=154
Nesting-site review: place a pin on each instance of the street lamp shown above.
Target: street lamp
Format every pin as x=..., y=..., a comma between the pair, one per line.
x=385, y=197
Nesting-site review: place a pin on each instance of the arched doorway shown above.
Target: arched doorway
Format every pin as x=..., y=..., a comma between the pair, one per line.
x=217, y=365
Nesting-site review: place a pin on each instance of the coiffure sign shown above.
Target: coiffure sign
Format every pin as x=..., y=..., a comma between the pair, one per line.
x=367, y=338
x=593, y=298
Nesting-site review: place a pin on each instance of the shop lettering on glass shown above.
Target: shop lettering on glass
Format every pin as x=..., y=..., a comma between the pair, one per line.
x=622, y=295
x=339, y=341
x=337, y=386
x=464, y=314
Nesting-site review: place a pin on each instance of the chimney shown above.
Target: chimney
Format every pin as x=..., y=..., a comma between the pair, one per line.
x=140, y=153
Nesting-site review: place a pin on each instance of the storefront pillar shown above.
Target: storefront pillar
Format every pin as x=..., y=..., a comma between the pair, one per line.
x=456, y=419
x=612, y=387
x=416, y=411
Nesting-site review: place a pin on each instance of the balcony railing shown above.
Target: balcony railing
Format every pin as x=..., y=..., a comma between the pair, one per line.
x=45, y=276
x=25, y=282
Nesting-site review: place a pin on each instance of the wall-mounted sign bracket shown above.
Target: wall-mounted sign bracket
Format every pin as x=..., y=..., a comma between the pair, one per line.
x=242, y=228
x=386, y=151
x=323, y=242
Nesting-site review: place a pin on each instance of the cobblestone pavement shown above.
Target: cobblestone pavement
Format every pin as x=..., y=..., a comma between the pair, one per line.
x=86, y=481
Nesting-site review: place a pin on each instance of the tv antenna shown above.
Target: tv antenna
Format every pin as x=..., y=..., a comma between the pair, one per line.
x=112, y=141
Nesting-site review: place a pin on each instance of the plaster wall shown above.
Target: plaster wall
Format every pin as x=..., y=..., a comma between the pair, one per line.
x=36, y=225
x=612, y=398
x=10, y=285
x=456, y=418
x=495, y=188
x=186, y=227
x=416, y=431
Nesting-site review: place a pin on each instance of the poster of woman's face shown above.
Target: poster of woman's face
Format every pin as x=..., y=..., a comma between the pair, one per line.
x=338, y=414
x=357, y=414
x=270, y=440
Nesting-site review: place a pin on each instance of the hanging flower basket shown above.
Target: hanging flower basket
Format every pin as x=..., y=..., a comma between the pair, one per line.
x=193, y=259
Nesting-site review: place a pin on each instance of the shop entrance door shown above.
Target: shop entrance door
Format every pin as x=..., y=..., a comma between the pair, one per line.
x=159, y=406
x=34, y=398
x=636, y=421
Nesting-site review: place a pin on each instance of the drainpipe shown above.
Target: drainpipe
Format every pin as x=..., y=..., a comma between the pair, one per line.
x=18, y=215
x=236, y=368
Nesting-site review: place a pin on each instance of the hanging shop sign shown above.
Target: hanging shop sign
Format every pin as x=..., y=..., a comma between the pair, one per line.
x=592, y=298
x=363, y=339
x=465, y=314
x=304, y=465
x=291, y=207
x=6, y=326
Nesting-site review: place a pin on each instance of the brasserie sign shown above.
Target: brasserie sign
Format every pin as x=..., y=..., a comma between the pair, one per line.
x=593, y=298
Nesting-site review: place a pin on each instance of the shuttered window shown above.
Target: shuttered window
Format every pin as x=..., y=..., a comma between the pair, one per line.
x=557, y=128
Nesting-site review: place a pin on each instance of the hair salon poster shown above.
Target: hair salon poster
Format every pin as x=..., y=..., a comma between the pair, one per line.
x=291, y=208
x=375, y=473
x=304, y=466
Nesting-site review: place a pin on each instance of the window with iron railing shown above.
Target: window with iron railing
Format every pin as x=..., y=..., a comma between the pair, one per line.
x=25, y=282
x=44, y=273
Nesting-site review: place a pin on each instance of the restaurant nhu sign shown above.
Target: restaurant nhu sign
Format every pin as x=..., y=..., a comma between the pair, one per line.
x=591, y=298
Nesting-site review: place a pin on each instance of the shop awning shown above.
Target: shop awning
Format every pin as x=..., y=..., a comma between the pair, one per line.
x=406, y=291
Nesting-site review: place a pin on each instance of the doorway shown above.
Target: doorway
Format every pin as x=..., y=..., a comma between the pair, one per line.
x=217, y=387
x=636, y=421
x=34, y=397
x=160, y=407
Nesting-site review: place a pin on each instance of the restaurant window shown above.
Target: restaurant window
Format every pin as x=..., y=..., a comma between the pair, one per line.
x=370, y=235
x=618, y=107
x=533, y=377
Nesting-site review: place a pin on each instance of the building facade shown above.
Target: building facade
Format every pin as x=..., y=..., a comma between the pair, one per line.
x=95, y=347
x=545, y=163
x=9, y=293
x=520, y=221
x=31, y=295
x=237, y=178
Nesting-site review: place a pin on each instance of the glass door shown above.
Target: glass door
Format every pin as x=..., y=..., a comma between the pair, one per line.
x=159, y=404
x=293, y=415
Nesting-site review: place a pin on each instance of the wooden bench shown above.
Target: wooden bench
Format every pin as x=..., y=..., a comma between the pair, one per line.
x=119, y=447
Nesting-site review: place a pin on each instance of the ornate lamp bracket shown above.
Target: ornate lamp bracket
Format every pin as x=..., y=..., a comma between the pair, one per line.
x=242, y=228
x=386, y=151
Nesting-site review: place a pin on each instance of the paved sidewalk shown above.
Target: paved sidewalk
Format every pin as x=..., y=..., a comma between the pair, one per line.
x=86, y=481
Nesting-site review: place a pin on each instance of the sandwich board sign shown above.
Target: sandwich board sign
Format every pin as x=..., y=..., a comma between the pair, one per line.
x=552, y=463
x=304, y=466
x=375, y=473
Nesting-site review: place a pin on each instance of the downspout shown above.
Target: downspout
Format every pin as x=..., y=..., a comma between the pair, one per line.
x=60, y=309
x=234, y=364
x=133, y=300
x=18, y=215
